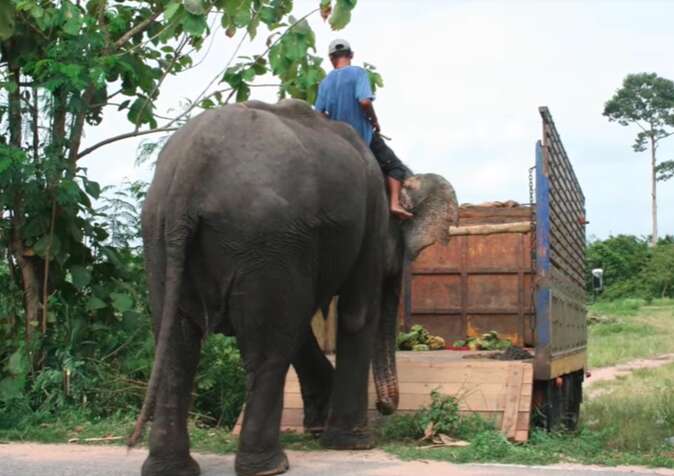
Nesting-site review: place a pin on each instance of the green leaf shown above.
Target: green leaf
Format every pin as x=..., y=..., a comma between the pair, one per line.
x=170, y=10
x=17, y=364
x=94, y=304
x=81, y=276
x=326, y=8
x=195, y=7
x=7, y=20
x=43, y=245
x=5, y=163
x=242, y=93
x=91, y=187
x=121, y=302
x=140, y=111
x=341, y=15
x=194, y=25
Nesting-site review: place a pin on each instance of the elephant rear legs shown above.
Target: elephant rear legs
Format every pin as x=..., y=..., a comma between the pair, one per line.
x=270, y=314
x=169, y=441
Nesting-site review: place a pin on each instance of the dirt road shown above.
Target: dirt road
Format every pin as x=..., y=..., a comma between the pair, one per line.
x=74, y=460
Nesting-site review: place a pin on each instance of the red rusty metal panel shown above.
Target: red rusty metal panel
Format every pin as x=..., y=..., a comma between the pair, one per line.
x=493, y=251
x=435, y=293
x=493, y=292
x=476, y=283
x=439, y=256
x=449, y=327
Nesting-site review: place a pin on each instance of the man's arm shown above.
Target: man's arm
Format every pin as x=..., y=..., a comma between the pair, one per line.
x=368, y=109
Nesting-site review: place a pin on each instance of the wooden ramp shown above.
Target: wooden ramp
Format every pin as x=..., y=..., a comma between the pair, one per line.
x=500, y=392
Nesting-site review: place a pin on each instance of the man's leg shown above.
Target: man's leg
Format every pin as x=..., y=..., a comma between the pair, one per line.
x=394, y=186
x=394, y=170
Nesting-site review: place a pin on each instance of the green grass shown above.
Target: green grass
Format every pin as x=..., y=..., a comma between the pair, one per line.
x=636, y=411
x=72, y=425
x=628, y=329
x=585, y=447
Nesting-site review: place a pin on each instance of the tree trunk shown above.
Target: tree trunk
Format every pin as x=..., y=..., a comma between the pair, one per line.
x=654, y=203
x=29, y=275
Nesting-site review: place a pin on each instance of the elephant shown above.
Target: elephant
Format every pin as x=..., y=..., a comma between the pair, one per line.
x=257, y=215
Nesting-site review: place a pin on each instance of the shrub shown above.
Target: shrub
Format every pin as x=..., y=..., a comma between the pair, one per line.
x=442, y=413
x=220, y=382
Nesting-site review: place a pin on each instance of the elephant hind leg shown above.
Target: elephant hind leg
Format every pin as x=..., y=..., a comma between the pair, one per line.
x=270, y=313
x=315, y=373
x=169, y=441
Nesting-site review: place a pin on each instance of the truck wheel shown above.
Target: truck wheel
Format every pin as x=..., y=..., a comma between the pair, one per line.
x=557, y=402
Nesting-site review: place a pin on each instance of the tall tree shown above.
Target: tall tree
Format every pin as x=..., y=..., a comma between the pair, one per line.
x=647, y=101
x=62, y=62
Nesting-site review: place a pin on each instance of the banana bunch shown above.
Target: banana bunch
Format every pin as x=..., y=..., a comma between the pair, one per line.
x=487, y=341
x=419, y=340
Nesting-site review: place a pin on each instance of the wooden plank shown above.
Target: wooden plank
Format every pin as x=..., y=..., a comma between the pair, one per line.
x=513, y=393
x=521, y=436
x=497, y=391
x=490, y=229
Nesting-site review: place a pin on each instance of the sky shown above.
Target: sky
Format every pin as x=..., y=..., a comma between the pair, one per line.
x=463, y=83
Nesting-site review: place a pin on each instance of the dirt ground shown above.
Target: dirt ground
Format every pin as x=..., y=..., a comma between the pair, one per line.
x=76, y=460
x=604, y=374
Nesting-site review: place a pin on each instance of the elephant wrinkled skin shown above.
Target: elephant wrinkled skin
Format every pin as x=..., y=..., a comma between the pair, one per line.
x=257, y=215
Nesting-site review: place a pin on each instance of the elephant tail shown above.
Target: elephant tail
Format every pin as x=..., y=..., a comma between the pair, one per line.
x=174, y=243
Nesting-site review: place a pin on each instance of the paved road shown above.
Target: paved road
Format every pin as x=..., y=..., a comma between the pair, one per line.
x=73, y=460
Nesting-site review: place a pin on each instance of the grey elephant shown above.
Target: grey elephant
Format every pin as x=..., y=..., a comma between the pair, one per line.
x=256, y=217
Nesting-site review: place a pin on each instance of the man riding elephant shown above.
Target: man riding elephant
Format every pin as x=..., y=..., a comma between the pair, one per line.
x=345, y=95
x=256, y=217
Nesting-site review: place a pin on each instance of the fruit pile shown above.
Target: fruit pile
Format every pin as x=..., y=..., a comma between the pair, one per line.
x=487, y=341
x=418, y=339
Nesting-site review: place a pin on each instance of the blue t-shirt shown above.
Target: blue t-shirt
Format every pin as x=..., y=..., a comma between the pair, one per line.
x=338, y=96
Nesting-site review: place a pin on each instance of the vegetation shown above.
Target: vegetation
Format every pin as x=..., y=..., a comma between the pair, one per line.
x=646, y=100
x=629, y=329
x=632, y=268
x=632, y=419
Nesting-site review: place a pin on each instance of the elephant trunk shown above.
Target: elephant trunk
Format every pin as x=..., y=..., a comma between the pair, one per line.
x=384, y=360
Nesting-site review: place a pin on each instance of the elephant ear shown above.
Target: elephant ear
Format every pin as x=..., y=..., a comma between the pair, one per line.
x=433, y=201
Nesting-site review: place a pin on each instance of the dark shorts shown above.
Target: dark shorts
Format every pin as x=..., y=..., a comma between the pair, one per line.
x=389, y=162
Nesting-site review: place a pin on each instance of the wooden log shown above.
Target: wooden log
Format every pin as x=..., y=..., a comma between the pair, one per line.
x=491, y=229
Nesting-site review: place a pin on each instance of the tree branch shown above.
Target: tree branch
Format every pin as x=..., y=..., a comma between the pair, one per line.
x=142, y=26
x=176, y=55
x=78, y=126
x=127, y=135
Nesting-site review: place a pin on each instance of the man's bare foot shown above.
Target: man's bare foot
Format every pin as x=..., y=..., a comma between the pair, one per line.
x=400, y=212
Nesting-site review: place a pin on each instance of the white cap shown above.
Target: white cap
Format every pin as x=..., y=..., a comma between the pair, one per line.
x=337, y=46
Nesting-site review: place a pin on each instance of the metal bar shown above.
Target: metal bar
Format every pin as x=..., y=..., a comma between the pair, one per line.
x=543, y=327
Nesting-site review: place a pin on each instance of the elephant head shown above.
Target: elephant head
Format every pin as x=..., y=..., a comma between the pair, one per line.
x=433, y=201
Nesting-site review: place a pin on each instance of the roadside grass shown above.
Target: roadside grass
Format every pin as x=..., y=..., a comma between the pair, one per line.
x=629, y=329
x=584, y=447
x=636, y=411
x=80, y=426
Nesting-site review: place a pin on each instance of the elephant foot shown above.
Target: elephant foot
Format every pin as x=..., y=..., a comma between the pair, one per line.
x=314, y=419
x=315, y=431
x=155, y=466
x=261, y=464
x=358, y=439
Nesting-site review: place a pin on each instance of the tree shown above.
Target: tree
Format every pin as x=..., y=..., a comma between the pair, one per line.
x=658, y=273
x=61, y=64
x=647, y=101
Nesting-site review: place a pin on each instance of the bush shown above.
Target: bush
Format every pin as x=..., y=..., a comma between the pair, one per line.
x=220, y=382
x=632, y=269
x=442, y=413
